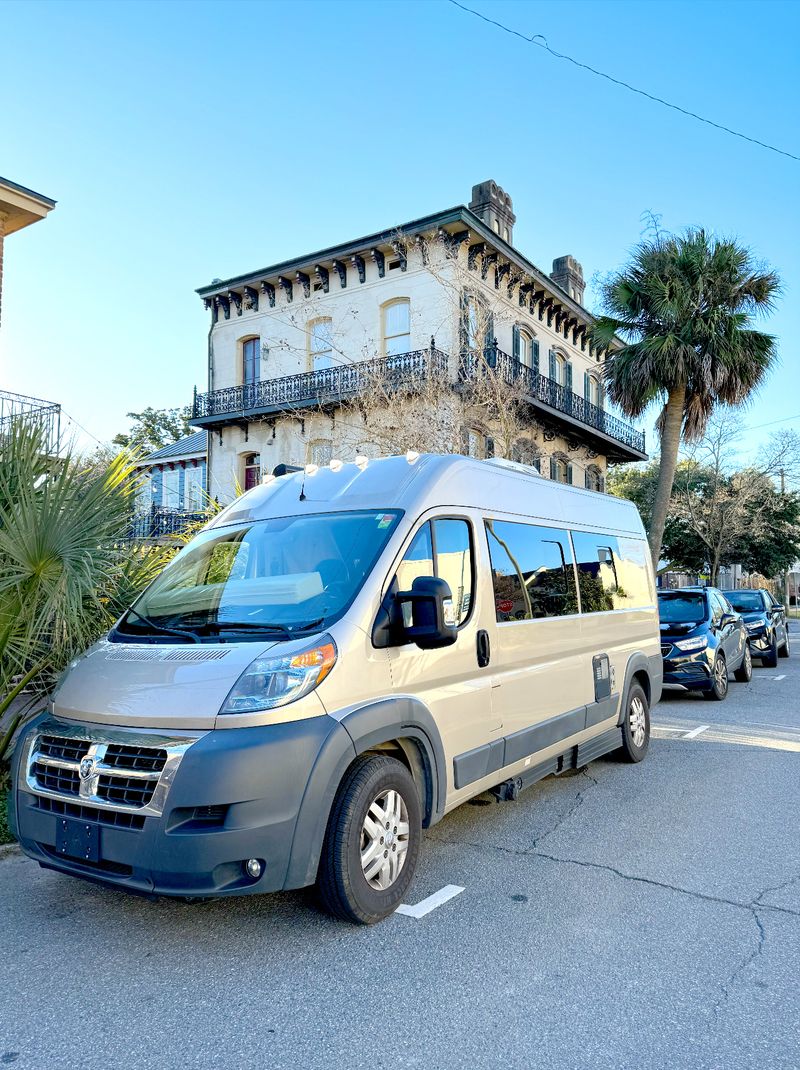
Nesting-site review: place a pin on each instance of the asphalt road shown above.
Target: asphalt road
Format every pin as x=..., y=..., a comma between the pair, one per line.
x=627, y=916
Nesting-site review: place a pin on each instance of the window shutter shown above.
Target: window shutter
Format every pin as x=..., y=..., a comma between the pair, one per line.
x=535, y=361
x=601, y=484
x=489, y=447
x=600, y=394
x=569, y=474
x=553, y=472
x=489, y=339
x=587, y=479
x=515, y=343
x=537, y=464
x=586, y=387
x=568, y=376
x=552, y=370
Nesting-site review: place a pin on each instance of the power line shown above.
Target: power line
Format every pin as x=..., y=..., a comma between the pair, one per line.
x=89, y=433
x=540, y=41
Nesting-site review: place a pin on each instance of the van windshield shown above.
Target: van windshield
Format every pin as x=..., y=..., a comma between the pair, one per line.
x=279, y=576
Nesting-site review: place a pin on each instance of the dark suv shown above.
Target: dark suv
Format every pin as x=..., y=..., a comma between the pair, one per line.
x=765, y=620
x=702, y=639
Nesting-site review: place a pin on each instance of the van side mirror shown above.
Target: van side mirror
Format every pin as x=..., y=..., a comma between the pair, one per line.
x=433, y=616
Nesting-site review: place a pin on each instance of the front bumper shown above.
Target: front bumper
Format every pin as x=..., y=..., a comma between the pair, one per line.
x=237, y=794
x=691, y=671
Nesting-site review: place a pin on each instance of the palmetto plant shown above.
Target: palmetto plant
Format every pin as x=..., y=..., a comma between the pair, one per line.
x=66, y=571
x=684, y=309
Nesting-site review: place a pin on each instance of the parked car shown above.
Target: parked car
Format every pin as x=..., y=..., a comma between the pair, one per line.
x=702, y=640
x=337, y=660
x=765, y=620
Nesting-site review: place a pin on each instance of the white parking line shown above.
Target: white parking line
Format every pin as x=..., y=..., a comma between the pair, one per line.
x=431, y=903
x=783, y=677
x=696, y=731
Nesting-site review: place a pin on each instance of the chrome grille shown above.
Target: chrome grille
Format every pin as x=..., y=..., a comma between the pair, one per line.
x=117, y=769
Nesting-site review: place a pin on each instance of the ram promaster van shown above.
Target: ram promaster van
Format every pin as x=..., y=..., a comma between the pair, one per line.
x=337, y=660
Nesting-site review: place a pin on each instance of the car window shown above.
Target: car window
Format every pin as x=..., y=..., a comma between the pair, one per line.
x=532, y=571
x=746, y=601
x=442, y=548
x=717, y=606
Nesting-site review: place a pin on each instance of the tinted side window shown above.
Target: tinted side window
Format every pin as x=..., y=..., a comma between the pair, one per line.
x=531, y=571
x=612, y=572
x=445, y=550
x=718, y=606
x=453, y=549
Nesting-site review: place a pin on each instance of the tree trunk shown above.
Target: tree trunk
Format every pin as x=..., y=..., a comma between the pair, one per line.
x=670, y=444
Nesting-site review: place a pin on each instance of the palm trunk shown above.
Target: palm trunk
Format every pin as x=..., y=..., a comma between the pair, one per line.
x=670, y=444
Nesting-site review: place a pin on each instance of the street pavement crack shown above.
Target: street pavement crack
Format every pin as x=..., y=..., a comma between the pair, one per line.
x=746, y=962
x=774, y=888
x=577, y=804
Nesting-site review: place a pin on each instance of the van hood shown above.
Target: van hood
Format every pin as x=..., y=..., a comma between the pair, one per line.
x=179, y=685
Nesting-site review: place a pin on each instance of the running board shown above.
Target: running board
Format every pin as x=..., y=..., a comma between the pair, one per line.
x=574, y=758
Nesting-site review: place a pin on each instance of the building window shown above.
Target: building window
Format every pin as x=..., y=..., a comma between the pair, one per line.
x=193, y=493
x=320, y=451
x=560, y=470
x=477, y=444
x=525, y=348
x=321, y=344
x=594, y=478
x=397, y=327
x=477, y=326
x=171, y=483
x=560, y=369
x=252, y=470
x=592, y=390
x=251, y=360
x=524, y=452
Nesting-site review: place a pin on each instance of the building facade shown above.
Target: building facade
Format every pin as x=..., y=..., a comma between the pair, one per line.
x=172, y=494
x=426, y=336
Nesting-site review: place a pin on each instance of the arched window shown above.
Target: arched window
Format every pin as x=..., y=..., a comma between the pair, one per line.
x=594, y=478
x=320, y=451
x=476, y=443
x=252, y=470
x=251, y=360
x=396, y=327
x=560, y=469
x=320, y=344
x=525, y=452
x=593, y=390
x=525, y=348
x=477, y=326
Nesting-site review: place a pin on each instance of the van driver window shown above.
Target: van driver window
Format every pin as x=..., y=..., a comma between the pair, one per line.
x=612, y=572
x=446, y=552
x=531, y=571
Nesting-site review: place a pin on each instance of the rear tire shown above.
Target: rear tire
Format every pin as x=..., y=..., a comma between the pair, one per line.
x=771, y=659
x=372, y=842
x=719, y=680
x=744, y=674
x=636, y=726
x=784, y=650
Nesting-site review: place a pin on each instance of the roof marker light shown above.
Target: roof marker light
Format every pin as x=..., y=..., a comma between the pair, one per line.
x=312, y=469
x=412, y=456
x=362, y=461
x=336, y=465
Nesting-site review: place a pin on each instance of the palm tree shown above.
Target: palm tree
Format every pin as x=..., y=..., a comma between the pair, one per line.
x=683, y=309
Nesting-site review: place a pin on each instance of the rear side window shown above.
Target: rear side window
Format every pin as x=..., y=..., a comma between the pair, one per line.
x=612, y=572
x=441, y=548
x=532, y=571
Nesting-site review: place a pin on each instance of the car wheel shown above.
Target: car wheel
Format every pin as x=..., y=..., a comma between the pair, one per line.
x=372, y=842
x=744, y=674
x=719, y=678
x=770, y=659
x=784, y=650
x=636, y=726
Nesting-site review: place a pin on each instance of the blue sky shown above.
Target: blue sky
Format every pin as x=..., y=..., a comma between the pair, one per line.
x=185, y=141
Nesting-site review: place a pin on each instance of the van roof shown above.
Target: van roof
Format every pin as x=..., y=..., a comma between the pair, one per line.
x=416, y=483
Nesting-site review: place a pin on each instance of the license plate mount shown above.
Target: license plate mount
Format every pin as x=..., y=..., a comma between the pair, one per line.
x=79, y=840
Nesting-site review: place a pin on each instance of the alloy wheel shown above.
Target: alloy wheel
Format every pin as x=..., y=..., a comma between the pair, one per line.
x=721, y=676
x=384, y=839
x=638, y=721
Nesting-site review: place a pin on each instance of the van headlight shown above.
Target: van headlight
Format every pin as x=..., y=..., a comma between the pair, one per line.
x=280, y=679
x=698, y=643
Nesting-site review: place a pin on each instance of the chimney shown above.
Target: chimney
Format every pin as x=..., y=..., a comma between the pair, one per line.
x=568, y=274
x=492, y=205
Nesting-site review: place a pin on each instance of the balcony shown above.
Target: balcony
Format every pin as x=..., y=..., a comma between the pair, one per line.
x=43, y=415
x=563, y=409
x=565, y=406
x=163, y=523
x=236, y=404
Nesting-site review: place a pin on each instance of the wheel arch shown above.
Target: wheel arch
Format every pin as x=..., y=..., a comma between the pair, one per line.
x=647, y=671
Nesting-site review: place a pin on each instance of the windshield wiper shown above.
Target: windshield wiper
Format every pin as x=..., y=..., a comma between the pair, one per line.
x=162, y=628
x=266, y=626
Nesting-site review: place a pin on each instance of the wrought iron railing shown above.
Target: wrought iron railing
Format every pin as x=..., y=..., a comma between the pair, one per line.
x=46, y=415
x=160, y=523
x=321, y=386
x=549, y=392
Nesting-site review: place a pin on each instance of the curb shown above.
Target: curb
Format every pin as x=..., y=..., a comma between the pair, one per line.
x=9, y=850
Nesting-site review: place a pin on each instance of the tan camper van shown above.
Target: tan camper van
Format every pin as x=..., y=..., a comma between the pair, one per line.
x=337, y=660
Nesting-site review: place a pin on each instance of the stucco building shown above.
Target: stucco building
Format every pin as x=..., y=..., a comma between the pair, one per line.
x=307, y=357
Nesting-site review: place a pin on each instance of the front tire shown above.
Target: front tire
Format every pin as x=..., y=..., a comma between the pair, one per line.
x=784, y=650
x=372, y=843
x=636, y=726
x=744, y=674
x=771, y=659
x=719, y=680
